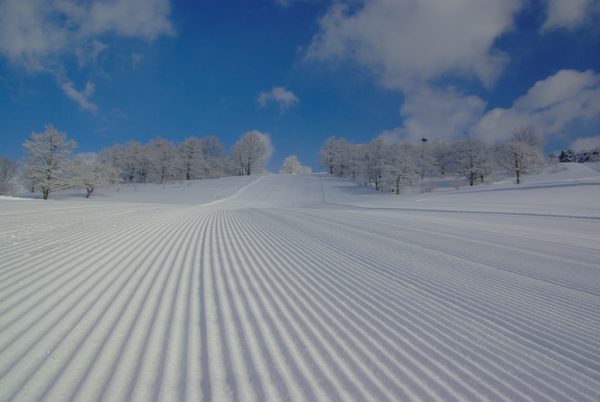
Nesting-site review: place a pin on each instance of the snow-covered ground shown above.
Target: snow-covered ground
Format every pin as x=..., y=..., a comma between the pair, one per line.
x=304, y=288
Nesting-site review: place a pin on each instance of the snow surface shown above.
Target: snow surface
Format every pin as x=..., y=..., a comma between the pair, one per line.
x=304, y=288
x=192, y=192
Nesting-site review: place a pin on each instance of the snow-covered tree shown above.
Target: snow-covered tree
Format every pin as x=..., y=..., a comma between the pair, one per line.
x=193, y=164
x=472, y=159
x=339, y=157
x=343, y=156
x=522, y=153
x=27, y=181
x=163, y=158
x=114, y=157
x=8, y=172
x=89, y=172
x=327, y=155
x=292, y=165
x=47, y=160
x=566, y=156
x=354, y=155
x=251, y=152
x=443, y=157
x=134, y=162
x=400, y=168
x=527, y=135
x=373, y=163
x=214, y=156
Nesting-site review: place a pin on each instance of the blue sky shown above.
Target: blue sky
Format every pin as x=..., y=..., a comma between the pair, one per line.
x=112, y=71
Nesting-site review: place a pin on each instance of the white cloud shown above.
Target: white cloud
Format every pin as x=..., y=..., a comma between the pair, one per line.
x=405, y=43
x=38, y=34
x=408, y=45
x=33, y=32
x=550, y=105
x=27, y=34
x=569, y=14
x=135, y=18
x=586, y=144
x=81, y=97
x=280, y=95
x=436, y=114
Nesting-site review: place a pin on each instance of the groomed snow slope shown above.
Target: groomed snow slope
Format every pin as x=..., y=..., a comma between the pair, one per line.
x=300, y=288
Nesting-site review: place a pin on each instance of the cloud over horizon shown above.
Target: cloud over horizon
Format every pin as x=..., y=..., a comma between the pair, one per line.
x=436, y=114
x=551, y=106
x=409, y=45
x=586, y=144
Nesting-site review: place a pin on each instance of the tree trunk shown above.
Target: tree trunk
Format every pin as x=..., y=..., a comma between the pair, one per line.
x=45, y=193
x=518, y=176
x=90, y=190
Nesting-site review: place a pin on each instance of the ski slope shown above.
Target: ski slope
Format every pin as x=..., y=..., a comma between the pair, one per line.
x=304, y=288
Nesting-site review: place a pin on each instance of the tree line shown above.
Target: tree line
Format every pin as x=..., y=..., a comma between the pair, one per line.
x=50, y=165
x=392, y=166
x=569, y=155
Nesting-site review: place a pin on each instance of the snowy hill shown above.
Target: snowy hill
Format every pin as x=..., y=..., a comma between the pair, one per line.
x=304, y=288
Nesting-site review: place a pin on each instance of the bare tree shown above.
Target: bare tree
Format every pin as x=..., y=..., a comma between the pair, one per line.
x=251, y=152
x=522, y=153
x=47, y=160
x=8, y=172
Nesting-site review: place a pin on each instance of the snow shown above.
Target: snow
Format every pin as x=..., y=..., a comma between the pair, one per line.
x=191, y=192
x=304, y=287
x=571, y=192
x=9, y=198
